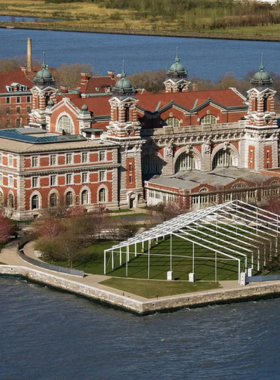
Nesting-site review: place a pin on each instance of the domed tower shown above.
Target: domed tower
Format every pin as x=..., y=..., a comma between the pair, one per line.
x=43, y=91
x=124, y=121
x=177, y=77
x=261, y=122
x=124, y=128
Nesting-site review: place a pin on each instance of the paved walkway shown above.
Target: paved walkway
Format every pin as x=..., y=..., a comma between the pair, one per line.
x=9, y=256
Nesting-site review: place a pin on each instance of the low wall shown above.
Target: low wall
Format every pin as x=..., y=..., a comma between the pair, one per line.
x=269, y=277
x=71, y=286
x=55, y=268
x=163, y=304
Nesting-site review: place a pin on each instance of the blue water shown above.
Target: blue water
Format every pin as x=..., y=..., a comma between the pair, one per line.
x=203, y=58
x=56, y=336
x=23, y=19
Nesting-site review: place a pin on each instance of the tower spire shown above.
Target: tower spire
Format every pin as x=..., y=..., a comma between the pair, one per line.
x=123, y=70
x=262, y=67
x=177, y=59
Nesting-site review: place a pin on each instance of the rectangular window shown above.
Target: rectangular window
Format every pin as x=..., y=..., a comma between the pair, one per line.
x=35, y=182
x=130, y=179
x=18, y=99
x=1, y=179
x=102, y=155
x=53, y=180
x=69, y=179
x=8, y=100
x=84, y=177
x=69, y=158
x=18, y=110
x=52, y=159
x=102, y=175
x=8, y=110
x=130, y=167
x=1, y=158
x=10, y=160
x=11, y=181
x=84, y=157
x=18, y=123
x=28, y=109
x=34, y=161
x=28, y=99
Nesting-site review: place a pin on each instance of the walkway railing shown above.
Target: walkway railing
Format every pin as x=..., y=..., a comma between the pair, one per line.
x=44, y=265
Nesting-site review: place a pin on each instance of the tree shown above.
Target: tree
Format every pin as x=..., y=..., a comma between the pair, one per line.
x=13, y=64
x=168, y=210
x=51, y=228
x=6, y=228
x=70, y=75
x=149, y=80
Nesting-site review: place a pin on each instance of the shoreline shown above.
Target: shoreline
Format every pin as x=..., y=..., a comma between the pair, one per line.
x=142, y=307
x=31, y=26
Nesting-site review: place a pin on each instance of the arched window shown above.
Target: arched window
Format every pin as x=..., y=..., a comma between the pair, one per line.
x=11, y=203
x=102, y=195
x=35, y=202
x=208, y=119
x=223, y=158
x=185, y=162
x=172, y=122
x=150, y=165
x=53, y=200
x=1, y=199
x=85, y=197
x=65, y=124
x=69, y=198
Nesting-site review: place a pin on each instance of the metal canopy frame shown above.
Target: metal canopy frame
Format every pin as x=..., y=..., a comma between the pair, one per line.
x=255, y=231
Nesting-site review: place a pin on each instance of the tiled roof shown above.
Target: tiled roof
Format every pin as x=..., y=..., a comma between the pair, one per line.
x=190, y=99
x=97, y=85
x=100, y=106
x=6, y=79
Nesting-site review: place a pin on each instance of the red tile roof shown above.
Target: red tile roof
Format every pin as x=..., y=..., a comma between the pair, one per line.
x=96, y=85
x=100, y=106
x=6, y=79
x=190, y=99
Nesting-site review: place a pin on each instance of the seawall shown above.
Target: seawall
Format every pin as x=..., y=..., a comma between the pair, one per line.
x=164, y=304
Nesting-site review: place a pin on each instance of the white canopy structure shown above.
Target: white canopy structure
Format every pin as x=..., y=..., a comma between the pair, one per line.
x=234, y=231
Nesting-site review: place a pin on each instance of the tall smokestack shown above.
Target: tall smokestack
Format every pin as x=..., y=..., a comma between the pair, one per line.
x=29, y=55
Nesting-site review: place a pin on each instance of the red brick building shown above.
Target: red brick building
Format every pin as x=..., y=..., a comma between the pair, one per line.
x=117, y=146
x=15, y=99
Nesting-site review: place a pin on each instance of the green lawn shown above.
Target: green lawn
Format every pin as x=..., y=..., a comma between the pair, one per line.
x=204, y=267
x=154, y=289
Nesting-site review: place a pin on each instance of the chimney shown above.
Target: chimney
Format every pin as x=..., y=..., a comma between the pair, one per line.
x=29, y=55
x=111, y=74
x=194, y=87
x=84, y=78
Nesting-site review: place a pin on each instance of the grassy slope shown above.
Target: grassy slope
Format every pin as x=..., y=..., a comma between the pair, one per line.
x=90, y=17
x=152, y=289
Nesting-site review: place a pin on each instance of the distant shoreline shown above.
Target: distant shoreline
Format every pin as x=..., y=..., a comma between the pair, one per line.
x=45, y=27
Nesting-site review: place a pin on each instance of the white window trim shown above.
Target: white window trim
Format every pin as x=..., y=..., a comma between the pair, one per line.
x=11, y=181
x=105, y=176
x=56, y=181
x=38, y=182
x=55, y=156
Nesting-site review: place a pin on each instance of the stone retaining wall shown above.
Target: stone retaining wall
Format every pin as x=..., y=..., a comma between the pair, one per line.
x=163, y=304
